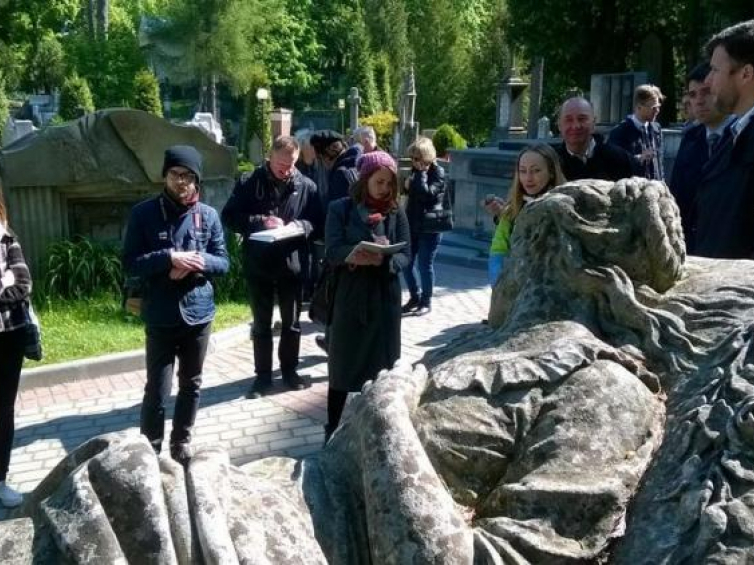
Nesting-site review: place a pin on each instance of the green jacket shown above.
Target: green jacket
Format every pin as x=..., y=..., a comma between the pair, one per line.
x=501, y=241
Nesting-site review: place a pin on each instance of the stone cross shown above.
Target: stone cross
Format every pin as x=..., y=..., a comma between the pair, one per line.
x=353, y=104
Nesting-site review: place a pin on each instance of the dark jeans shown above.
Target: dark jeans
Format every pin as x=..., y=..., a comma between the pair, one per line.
x=12, y=356
x=423, y=250
x=262, y=299
x=164, y=344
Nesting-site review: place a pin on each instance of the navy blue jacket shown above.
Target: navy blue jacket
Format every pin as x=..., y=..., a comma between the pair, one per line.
x=258, y=195
x=343, y=173
x=691, y=159
x=156, y=227
x=628, y=136
x=725, y=200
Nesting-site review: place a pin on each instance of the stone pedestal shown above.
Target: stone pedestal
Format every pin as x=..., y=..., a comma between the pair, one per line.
x=510, y=108
x=281, y=119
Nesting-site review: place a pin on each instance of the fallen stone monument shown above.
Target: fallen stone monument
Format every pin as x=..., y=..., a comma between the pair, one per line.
x=604, y=417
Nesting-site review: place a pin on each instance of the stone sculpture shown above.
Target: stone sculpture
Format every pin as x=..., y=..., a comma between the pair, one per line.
x=605, y=417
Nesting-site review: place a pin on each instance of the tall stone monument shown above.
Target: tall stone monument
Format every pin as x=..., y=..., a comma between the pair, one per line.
x=510, y=104
x=408, y=127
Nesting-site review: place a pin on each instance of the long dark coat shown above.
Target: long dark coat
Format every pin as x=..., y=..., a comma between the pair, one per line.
x=365, y=332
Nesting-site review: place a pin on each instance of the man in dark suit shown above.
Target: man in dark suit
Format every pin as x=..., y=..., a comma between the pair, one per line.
x=583, y=153
x=641, y=135
x=725, y=198
x=699, y=142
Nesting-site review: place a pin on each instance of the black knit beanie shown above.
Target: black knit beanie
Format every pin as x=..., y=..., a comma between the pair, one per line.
x=183, y=156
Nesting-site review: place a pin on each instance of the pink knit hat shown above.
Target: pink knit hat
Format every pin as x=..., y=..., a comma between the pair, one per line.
x=368, y=163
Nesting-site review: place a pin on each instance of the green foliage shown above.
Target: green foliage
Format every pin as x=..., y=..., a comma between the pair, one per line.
x=147, y=93
x=446, y=137
x=383, y=124
x=109, y=66
x=56, y=120
x=244, y=166
x=47, y=66
x=232, y=286
x=87, y=327
x=75, y=98
x=4, y=109
x=82, y=268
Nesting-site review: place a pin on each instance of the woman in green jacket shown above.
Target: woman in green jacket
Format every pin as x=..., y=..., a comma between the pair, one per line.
x=537, y=171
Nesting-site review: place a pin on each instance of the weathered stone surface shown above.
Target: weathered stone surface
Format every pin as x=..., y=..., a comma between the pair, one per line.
x=116, y=145
x=607, y=416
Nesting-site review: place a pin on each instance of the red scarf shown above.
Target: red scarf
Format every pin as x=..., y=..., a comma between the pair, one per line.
x=378, y=209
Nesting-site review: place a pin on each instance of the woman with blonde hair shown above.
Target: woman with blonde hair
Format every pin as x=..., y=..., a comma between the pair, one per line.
x=537, y=171
x=15, y=288
x=426, y=191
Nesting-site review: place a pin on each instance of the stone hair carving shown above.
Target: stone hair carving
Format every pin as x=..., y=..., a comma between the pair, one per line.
x=606, y=416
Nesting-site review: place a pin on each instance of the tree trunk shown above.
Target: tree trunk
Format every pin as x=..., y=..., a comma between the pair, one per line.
x=90, y=19
x=103, y=17
x=535, y=96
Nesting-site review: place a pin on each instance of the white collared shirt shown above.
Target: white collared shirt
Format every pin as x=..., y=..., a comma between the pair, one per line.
x=741, y=123
x=589, y=151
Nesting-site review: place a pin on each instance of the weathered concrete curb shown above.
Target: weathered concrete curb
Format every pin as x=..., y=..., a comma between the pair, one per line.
x=93, y=367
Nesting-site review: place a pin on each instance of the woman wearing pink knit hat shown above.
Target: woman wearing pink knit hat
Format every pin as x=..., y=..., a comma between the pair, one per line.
x=365, y=323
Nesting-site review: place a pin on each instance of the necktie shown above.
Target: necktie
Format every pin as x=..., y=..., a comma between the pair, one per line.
x=713, y=140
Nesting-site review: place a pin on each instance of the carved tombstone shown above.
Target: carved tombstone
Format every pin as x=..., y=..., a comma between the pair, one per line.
x=606, y=416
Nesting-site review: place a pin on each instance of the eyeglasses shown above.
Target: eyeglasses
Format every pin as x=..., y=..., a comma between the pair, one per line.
x=187, y=177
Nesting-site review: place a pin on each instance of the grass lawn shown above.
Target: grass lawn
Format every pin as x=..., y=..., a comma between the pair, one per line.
x=89, y=327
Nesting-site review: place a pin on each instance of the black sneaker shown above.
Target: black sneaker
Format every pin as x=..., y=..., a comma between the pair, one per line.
x=260, y=388
x=294, y=381
x=181, y=453
x=411, y=306
x=321, y=342
x=422, y=310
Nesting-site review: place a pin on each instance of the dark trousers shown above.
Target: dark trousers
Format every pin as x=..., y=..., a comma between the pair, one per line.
x=423, y=250
x=164, y=345
x=11, y=359
x=262, y=294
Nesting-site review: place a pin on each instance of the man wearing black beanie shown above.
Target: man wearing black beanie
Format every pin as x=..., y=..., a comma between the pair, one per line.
x=174, y=245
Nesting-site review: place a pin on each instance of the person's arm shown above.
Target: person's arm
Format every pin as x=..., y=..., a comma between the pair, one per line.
x=216, y=260
x=336, y=246
x=138, y=261
x=311, y=220
x=241, y=212
x=15, y=285
x=401, y=259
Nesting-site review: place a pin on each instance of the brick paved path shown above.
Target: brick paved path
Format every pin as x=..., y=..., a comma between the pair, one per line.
x=52, y=421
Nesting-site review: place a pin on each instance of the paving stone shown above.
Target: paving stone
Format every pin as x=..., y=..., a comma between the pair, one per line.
x=54, y=420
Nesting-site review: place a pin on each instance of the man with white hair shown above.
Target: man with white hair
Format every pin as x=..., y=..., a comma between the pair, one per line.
x=365, y=136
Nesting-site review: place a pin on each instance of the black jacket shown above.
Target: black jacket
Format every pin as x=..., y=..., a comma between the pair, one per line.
x=608, y=162
x=259, y=194
x=343, y=173
x=425, y=190
x=629, y=137
x=725, y=200
x=691, y=159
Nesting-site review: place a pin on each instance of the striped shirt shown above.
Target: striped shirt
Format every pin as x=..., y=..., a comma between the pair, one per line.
x=13, y=295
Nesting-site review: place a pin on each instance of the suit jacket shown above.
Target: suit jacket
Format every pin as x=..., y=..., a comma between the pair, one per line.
x=725, y=200
x=693, y=154
x=629, y=137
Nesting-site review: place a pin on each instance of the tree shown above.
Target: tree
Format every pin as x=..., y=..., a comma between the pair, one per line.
x=147, y=93
x=48, y=67
x=75, y=98
x=4, y=109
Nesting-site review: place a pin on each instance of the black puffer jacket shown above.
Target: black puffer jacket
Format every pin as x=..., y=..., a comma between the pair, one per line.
x=426, y=189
